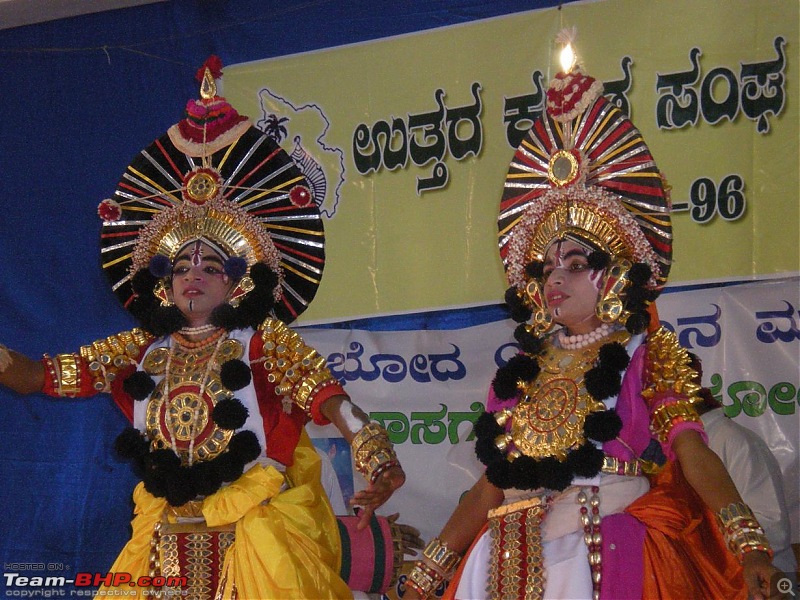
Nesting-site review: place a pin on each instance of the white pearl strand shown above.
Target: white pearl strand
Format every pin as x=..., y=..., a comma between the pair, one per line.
x=196, y=330
x=581, y=340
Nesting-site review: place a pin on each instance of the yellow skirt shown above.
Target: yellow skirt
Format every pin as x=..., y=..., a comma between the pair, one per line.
x=287, y=543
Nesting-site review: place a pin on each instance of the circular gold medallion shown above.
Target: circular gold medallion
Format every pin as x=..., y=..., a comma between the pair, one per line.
x=201, y=187
x=563, y=168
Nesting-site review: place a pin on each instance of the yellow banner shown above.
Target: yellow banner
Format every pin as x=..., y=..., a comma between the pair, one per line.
x=407, y=140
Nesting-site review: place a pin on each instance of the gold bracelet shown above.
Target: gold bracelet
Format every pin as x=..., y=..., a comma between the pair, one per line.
x=442, y=557
x=372, y=451
x=669, y=414
x=424, y=580
x=741, y=530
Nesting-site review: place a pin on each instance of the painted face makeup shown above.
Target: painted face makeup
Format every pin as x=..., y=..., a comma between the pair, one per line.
x=199, y=282
x=571, y=287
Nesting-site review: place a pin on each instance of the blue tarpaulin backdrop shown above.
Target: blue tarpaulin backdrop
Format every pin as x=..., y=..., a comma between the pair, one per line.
x=81, y=97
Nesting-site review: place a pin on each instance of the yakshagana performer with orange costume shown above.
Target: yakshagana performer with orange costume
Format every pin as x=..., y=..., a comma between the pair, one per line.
x=571, y=504
x=214, y=242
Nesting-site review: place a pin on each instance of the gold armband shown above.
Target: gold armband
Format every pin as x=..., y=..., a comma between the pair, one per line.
x=741, y=530
x=667, y=367
x=670, y=414
x=104, y=357
x=438, y=564
x=64, y=375
x=373, y=453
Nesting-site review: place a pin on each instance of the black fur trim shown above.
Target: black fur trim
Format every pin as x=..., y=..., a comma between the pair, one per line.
x=144, y=282
x=263, y=276
x=602, y=426
x=230, y=413
x=524, y=473
x=518, y=311
x=131, y=444
x=519, y=368
x=244, y=447
x=139, y=385
x=528, y=342
x=164, y=320
x=637, y=322
x=180, y=487
x=534, y=269
x=498, y=474
x=235, y=374
x=205, y=478
x=229, y=467
x=640, y=273
x=225, y=316
x=586, y=460
x=554, y=474
x=613, y=356
x=602, y=383
x=598, y=260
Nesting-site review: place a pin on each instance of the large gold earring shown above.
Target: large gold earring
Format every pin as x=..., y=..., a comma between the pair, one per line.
x=244, y=287
x=162, y=293
x=542, y=320
x=609, y=302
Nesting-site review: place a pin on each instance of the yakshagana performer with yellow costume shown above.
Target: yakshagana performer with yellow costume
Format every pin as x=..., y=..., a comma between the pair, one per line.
x=565, y=508
x=214, y=242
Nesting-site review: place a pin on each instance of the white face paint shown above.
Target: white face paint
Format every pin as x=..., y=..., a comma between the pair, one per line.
x=571, y=287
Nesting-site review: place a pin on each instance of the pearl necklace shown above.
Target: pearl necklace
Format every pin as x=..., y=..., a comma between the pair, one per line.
x=581, y=340
x=196, y=330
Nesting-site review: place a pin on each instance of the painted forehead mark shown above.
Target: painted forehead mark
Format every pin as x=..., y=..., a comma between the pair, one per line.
x=197, y=254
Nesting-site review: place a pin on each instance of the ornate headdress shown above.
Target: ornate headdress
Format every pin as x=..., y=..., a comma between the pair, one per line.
x=584, y=171
x=215, y=178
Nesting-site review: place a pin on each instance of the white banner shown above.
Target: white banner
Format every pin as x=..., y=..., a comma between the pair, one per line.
x=427, y=387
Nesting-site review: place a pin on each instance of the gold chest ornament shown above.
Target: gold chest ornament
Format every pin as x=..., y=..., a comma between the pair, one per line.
x=179, y=411
x=548, y=421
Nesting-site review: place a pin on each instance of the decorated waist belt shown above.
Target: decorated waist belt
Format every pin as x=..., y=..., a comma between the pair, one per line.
x=516, y=569
x=194, y=551
x=615, y=466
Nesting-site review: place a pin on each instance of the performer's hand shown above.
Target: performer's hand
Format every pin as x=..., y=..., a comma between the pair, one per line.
x=377, y=493
x=759, y=575
x=411, y=541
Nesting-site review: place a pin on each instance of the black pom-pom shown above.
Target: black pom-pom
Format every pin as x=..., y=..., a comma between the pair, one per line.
x=205, y=478
x=235, y=267
x=534, y=269
x=225, y=316
x=520, y=368
x=614, y=356
x=602, y=426
x=163, y=461
x=486, y=427
x=516, y=307
x=230, y=413
x=498, y=474
x=585, y=461
x=144, y=282
x=262, y=275
x=180, y=487
x=160, y=266
x=165, y=320
x=598, y=260
x=553, y=474
x=640, y=273
x=526, y=368
x=229, y=467
x=636, y=297
x=154, y=483
x=139, y=385
x=505, y=383
x=235, y=374
x=602, y=383
x=524, y=473
x=528, y=342
x=637, y=322
x=131, y=443
x=244, y=446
